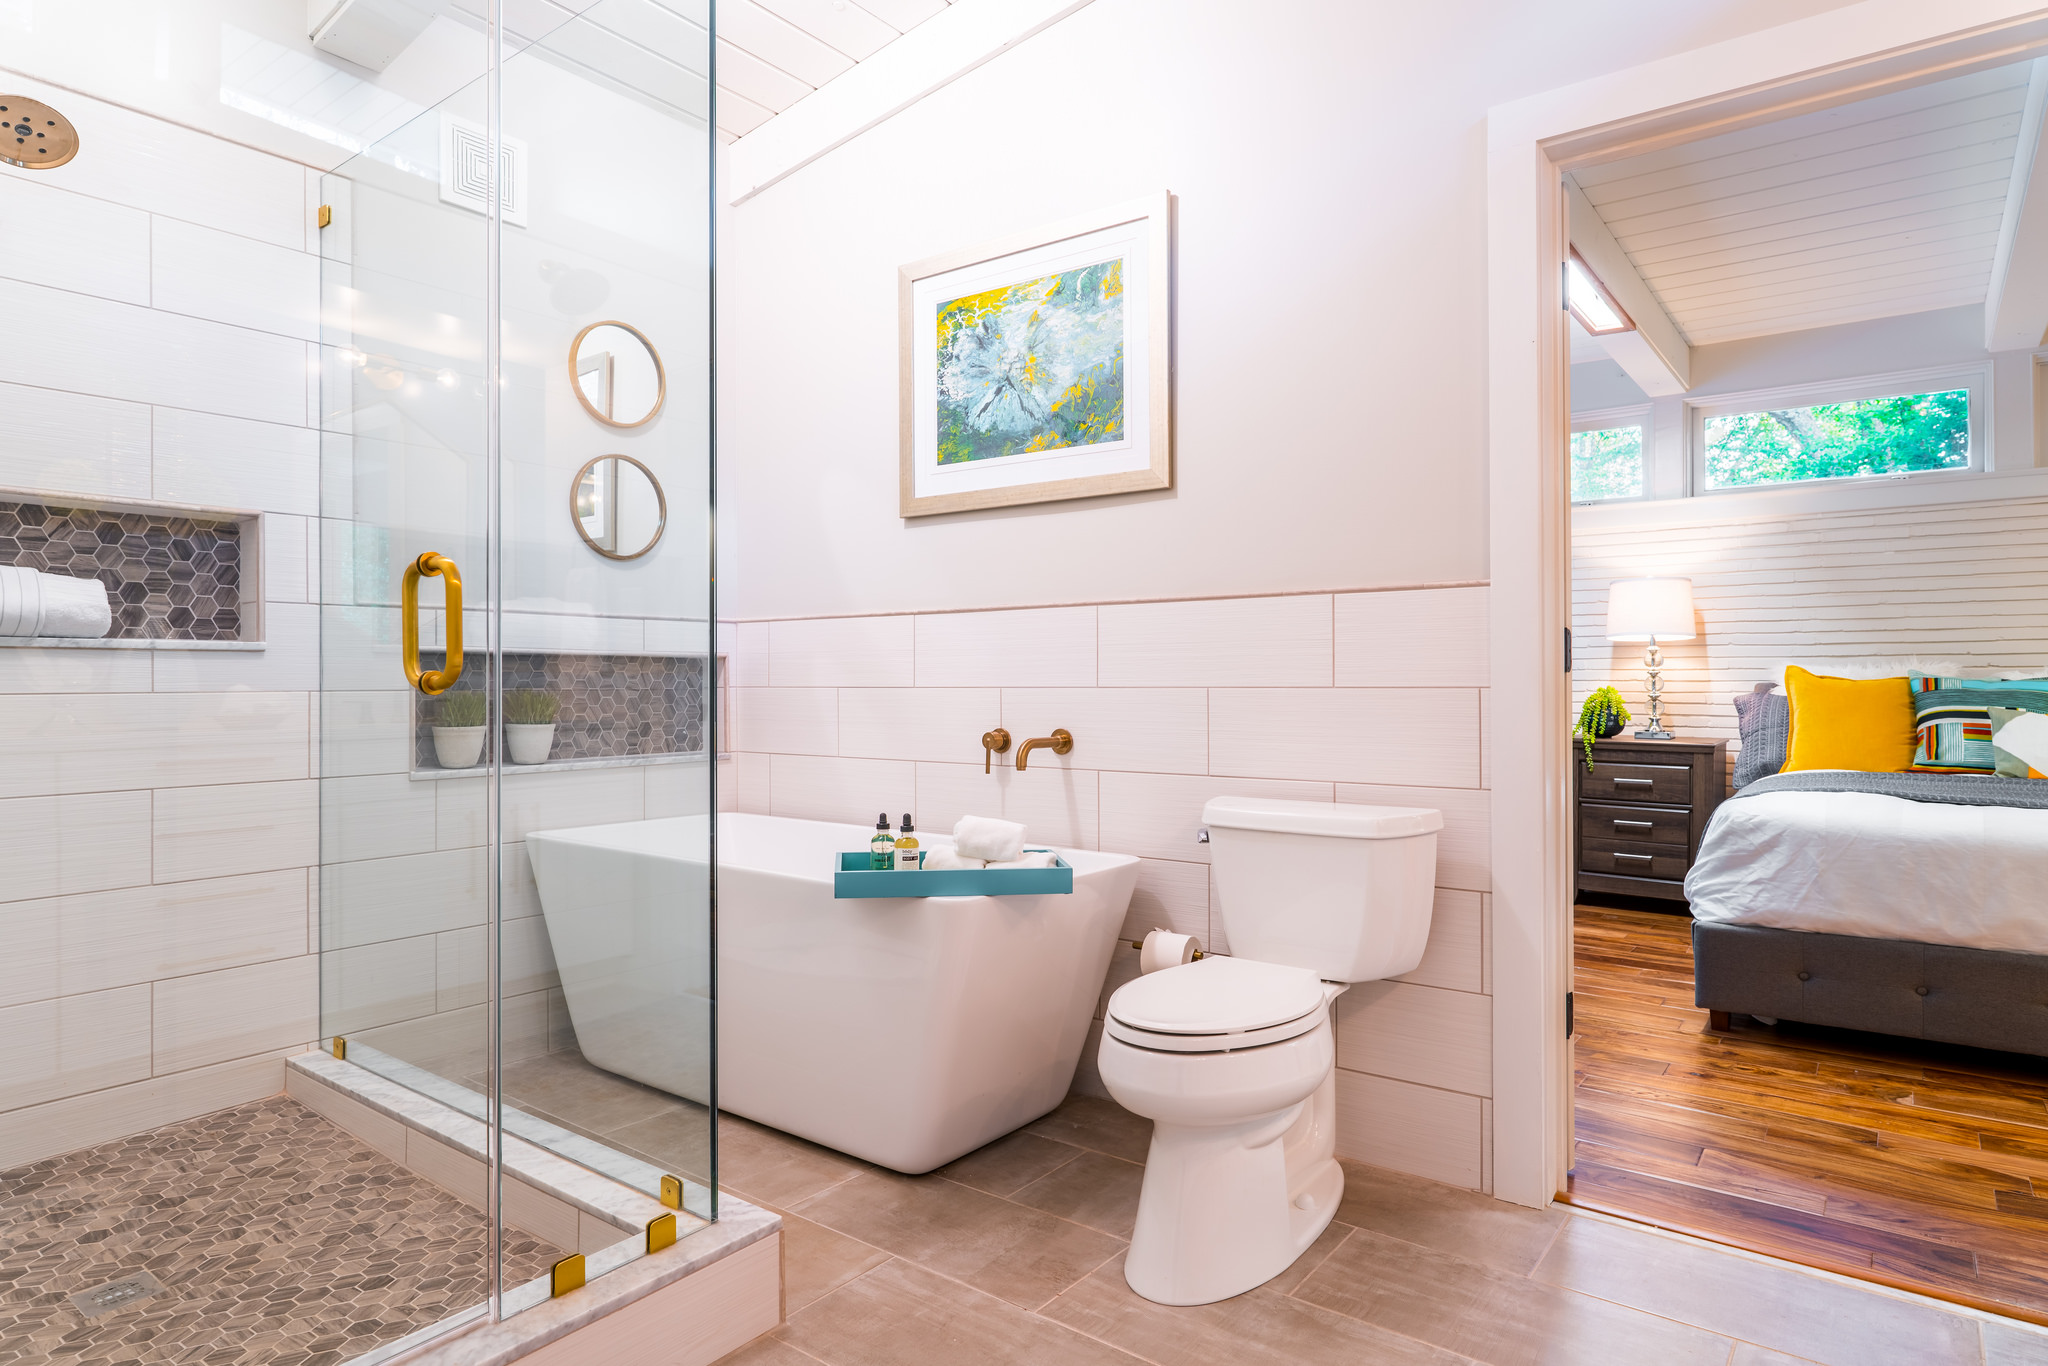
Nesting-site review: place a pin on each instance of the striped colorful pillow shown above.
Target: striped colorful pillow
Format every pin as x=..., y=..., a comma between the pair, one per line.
x=2020, y=740
x=1953, y=718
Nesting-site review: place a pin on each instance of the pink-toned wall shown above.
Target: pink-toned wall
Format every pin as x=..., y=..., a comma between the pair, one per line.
x=1353, y=697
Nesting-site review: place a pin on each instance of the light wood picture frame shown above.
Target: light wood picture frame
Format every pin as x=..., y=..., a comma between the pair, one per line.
x=1038, y=367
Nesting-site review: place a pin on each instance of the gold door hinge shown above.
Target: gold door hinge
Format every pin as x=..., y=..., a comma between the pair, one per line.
x=661, y=1233
x=672, y=1192
x=326, y=214
x=566, y=1276
x=340, y=1048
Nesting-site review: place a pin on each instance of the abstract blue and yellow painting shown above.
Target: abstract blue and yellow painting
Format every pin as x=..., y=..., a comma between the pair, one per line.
x=1032, y=366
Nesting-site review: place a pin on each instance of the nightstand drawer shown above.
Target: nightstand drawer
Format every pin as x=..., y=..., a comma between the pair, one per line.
x=1659, y=825
x=1633, y=859
x=1671, y=783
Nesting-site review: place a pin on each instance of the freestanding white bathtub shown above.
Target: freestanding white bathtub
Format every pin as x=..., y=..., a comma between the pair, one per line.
x=905, y=1031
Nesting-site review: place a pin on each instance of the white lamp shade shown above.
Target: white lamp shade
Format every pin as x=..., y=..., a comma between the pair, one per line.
x=1646, y=609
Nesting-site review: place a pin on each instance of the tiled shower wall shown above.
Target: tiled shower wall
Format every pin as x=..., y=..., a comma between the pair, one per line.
x=158, y=819
x=1377, y=697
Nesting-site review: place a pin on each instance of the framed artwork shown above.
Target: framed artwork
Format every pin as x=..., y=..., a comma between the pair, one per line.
x=1036, y=368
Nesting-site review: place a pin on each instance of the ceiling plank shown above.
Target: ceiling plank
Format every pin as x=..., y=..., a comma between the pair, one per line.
x=847, y=27
x=2016, y=305
x=1656, y=355
x=928, y=58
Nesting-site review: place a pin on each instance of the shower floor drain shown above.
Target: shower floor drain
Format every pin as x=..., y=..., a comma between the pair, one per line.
x=105, y=1299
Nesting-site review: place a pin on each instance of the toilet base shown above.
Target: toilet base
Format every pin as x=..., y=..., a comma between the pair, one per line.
x=1226, y=1208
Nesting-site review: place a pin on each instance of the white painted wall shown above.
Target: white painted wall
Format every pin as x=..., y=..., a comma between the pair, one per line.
x=1327, y=160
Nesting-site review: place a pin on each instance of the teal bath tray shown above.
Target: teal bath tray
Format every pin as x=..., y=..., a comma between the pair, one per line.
x=855, y=880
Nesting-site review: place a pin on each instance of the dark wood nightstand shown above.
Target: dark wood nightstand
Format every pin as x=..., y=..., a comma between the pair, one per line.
x=1642, y=811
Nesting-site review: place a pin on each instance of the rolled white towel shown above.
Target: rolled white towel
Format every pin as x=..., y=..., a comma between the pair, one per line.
x=74, y=607
x=21, y=601
x=985, y=837
x=944, y=859
x=1037, y=858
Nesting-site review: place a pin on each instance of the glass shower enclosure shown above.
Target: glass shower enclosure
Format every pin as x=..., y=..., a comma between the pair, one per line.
x=516, y=597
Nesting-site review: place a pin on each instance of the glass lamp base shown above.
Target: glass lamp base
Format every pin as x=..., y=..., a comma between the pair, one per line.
x=1655, y=733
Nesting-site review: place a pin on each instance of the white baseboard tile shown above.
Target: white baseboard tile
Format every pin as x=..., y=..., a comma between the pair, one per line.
x=63, y=1126
x=1407, y=1128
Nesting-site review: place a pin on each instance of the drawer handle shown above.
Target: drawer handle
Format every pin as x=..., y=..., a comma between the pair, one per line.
x=1641, y=825
x=1644, y=857
x=1640, y=782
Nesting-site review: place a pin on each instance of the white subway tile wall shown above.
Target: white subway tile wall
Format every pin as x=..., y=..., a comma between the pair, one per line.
x=1371, y=697
x=161, y=812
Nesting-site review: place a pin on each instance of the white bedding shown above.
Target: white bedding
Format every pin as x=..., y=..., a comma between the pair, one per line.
x=1878, y=867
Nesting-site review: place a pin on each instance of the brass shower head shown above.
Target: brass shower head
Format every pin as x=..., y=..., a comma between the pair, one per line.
x=34, y=135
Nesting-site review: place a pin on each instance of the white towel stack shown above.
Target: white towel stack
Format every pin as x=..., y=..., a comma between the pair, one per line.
x=988, y=839
x=38, y=604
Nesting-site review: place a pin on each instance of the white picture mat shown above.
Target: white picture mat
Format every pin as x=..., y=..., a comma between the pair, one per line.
x=1130, y=241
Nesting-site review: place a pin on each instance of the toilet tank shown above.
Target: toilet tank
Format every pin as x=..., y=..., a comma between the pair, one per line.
x=1342, y=890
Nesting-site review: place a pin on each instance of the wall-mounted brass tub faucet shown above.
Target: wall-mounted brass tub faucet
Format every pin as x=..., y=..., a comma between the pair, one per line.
x=1059, y=742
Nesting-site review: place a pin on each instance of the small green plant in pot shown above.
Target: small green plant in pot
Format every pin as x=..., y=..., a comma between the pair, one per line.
x=1601, y=715
x=530, y=725
x=459, y=728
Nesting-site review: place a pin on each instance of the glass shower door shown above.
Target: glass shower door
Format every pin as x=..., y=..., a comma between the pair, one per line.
x=565, y=701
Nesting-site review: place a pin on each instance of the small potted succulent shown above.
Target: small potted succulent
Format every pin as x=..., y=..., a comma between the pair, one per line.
x=459, y=729
x=1601, y=717
x=530, y=726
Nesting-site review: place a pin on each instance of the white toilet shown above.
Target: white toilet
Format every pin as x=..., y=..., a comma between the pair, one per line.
x=1233, y=1058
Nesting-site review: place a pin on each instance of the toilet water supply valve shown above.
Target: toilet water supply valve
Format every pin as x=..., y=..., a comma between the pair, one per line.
x=1165, y=949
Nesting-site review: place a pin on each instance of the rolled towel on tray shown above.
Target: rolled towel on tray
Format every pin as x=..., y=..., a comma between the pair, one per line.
x=37, y=604
x=985, y=837
x=943, y=860
x=1036, y=858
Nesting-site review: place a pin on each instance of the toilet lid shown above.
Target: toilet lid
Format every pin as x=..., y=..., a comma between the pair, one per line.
x=1217, y=995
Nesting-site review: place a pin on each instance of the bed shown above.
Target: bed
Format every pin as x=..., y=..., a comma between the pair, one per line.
x=1913, y=904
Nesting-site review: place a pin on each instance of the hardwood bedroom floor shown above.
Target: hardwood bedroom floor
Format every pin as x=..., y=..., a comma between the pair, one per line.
x=1923, y=1166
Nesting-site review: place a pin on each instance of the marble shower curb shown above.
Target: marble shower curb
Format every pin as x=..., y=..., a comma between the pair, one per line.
x=716, y=1289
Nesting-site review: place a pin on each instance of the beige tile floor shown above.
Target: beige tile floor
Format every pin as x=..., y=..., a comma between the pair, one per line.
x=1014, y=1254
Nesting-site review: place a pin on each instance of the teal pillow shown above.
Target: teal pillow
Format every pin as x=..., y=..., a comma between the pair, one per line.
x=1953, y=718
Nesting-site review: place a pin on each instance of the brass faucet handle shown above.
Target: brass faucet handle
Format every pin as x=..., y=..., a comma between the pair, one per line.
x=993, y=742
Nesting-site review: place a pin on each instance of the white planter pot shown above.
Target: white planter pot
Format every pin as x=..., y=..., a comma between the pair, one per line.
x=459, y=746
x=529, y=744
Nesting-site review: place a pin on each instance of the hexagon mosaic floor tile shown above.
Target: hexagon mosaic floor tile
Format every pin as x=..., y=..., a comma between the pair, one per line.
x=169, y=578
x=277, y=1237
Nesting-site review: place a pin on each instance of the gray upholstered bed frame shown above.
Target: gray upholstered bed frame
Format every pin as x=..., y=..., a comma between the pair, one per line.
x=1986, y=998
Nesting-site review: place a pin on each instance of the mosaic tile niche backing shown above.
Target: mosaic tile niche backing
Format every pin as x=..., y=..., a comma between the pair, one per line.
x=608, y=706
x=169, y=578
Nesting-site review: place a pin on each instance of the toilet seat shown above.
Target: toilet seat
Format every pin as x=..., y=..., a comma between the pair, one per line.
x=1217, y=1005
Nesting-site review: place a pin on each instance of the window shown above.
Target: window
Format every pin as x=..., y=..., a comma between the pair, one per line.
x=1607, y=458
x=1896, y=434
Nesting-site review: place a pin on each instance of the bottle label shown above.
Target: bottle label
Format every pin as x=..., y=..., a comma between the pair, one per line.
x=906, y=859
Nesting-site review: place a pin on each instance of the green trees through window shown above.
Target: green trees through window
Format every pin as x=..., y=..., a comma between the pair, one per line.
x=1836, y=440
x=1607, y=464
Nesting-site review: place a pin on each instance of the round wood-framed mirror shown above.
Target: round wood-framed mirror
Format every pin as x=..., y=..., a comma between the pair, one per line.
x=617, y=374
x=618, y=507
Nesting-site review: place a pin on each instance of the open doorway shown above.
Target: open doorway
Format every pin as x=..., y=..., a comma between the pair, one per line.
x=1809, y=556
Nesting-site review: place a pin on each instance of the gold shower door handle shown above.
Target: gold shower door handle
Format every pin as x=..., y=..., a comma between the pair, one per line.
x=430, y=681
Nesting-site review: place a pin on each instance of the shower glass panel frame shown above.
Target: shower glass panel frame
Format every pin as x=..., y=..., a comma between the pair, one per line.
x=462, y=253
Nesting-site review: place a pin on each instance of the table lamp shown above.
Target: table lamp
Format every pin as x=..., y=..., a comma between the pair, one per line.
x=1651, y=610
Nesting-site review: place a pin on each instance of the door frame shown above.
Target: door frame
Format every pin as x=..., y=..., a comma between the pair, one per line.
x=1834, y=58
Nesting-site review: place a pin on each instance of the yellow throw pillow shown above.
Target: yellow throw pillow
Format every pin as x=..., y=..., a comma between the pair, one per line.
x=1855, y=723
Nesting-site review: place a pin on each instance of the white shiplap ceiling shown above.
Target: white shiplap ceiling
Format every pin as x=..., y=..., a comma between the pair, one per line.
x=1883, y=207
x=771, y=53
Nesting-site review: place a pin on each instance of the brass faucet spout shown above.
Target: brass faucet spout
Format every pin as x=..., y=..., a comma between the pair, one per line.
x=1059, y=742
